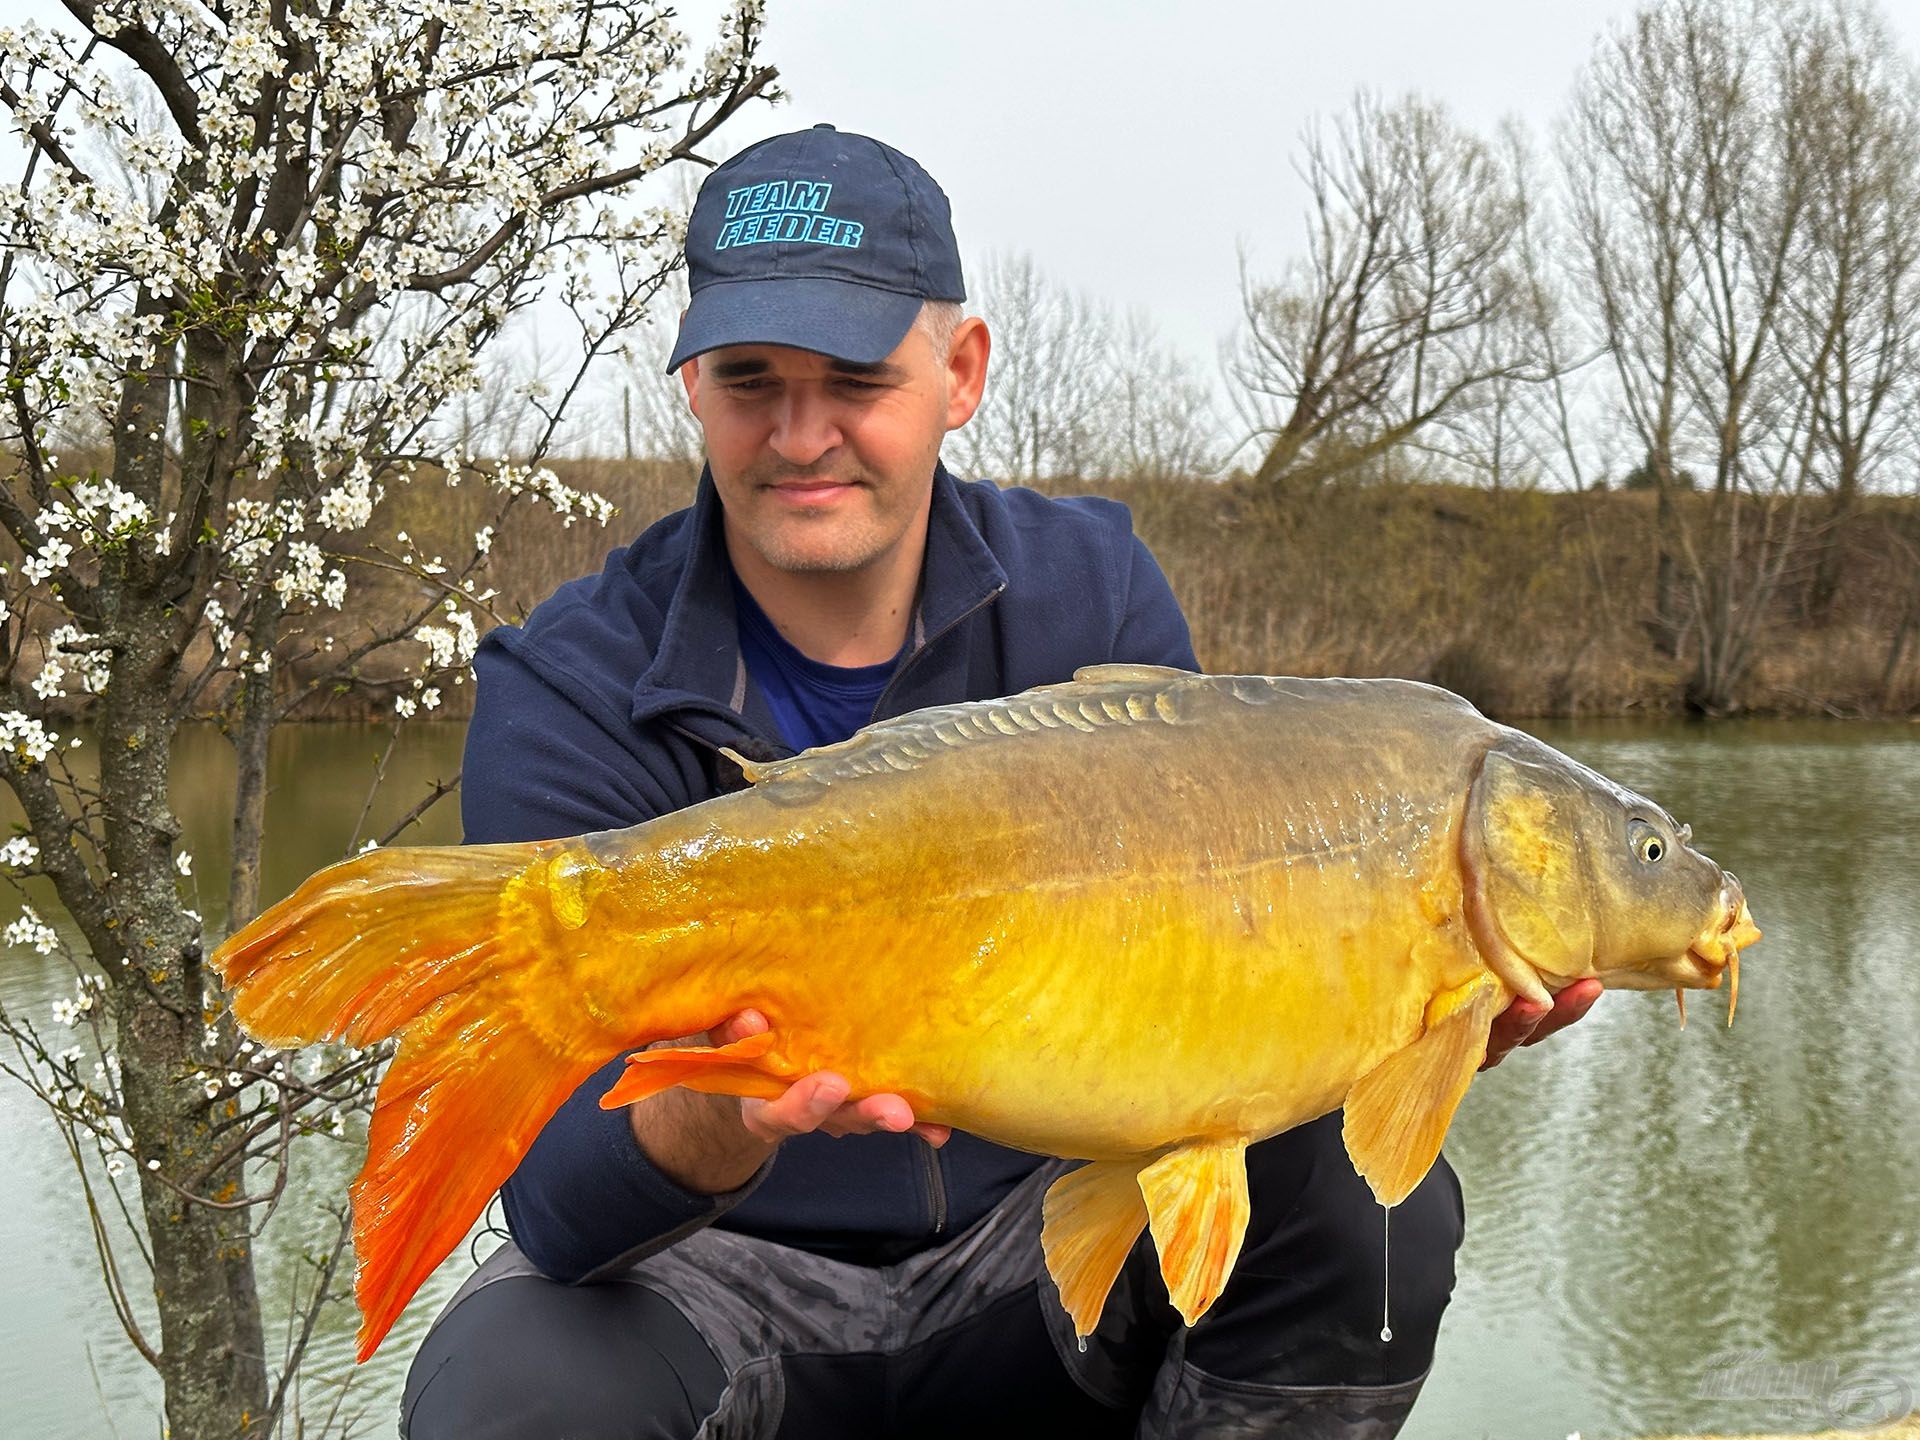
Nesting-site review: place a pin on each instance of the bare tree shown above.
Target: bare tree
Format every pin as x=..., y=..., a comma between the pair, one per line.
x=1164, y=425
x=1720, y=164
x=1520, y=427
x=655, y=423
x=259, y=294
x=1075, y=392
x=1388, y=322
x=1049, y=390
x=1851, y=331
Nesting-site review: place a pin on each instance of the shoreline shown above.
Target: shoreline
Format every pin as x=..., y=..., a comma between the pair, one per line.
x=1907, y=1429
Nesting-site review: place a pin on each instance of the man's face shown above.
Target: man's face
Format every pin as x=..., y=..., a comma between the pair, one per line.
x=823, y=465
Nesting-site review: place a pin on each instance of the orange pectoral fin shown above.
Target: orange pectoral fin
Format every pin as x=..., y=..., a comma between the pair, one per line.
x=736, y=1069
x=1398, y=1112
x=1089, y=1221
x=1197, y=1206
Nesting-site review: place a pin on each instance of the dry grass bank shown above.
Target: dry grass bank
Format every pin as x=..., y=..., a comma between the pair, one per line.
x=1530, y=603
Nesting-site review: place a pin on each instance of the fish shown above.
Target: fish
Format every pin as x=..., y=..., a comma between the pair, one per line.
x=1142, y=919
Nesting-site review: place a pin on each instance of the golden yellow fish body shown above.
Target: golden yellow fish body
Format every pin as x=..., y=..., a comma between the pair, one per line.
x=1144, y=918
x=1095, y=921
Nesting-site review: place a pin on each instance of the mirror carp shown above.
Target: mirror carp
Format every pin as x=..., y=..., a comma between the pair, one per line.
x=1142, y=919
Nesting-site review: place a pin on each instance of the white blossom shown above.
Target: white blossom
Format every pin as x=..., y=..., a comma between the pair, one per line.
x=183, y=862
x=51, y=556
x=70, y=647
x=25, y=736
x=71, y=1012
x=30, y=930
x=19, y=853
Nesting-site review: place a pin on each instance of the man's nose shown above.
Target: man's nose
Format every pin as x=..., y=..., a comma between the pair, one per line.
x=803, y=427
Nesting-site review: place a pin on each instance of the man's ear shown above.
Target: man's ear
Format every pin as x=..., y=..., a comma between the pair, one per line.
x=690, y=377
x=967, y=370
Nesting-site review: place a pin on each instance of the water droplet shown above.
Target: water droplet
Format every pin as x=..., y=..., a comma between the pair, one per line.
x=1386, y=1269
x=1083, y=1344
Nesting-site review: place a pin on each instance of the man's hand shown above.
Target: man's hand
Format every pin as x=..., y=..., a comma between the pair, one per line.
x=1526, y=1023
x=713, y=1143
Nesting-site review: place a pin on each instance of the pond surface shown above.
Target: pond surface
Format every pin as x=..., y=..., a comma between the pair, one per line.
x=1667, y=1230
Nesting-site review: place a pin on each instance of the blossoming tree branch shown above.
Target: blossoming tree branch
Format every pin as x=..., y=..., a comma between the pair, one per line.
x=252, y=253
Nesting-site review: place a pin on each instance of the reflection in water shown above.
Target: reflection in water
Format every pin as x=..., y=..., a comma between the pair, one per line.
x=1646, y=1207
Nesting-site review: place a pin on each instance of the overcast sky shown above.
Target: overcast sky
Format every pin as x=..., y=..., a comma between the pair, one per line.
x=1130, y=146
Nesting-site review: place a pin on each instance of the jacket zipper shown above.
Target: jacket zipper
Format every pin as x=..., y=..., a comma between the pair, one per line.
x=936, y=1187
x=932, y=640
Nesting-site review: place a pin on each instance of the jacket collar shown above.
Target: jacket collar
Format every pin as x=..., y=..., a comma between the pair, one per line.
x=697, y=664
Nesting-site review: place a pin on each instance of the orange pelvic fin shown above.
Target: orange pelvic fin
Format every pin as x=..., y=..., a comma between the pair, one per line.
x=1397, y=1114
x=735, y=1069
x=432, y=945
x=1089, y=1221
x=1197, y=1207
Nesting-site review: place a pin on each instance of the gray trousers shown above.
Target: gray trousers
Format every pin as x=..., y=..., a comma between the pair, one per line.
x=726, y=1336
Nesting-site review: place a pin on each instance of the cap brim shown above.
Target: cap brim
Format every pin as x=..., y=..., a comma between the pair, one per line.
x=857, y=323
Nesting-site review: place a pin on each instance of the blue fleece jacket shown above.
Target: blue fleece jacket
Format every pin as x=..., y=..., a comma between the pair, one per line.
x=608, y=707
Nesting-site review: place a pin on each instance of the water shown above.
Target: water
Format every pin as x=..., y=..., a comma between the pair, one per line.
x=1667, y=1230
x=66, y=1370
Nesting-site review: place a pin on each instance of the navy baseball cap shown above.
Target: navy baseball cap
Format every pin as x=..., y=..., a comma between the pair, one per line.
x=821, y=240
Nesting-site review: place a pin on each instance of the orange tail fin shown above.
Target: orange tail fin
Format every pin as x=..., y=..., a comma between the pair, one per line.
x=432, y=945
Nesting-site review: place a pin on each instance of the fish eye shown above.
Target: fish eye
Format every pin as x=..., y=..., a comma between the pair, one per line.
x=1646, y=842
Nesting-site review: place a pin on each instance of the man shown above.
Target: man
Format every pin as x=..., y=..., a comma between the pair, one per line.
x=823, y=1264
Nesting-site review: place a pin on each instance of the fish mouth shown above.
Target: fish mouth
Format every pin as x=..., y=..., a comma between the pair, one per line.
x=1715, y=951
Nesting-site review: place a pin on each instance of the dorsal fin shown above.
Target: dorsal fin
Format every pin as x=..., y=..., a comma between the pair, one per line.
x=1128, y=674
x=907, y=741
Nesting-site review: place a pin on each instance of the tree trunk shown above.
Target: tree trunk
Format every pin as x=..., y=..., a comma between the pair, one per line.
x=252, y=736
x=1824, y=588
x=1903, y=632
x=212, y=1360
x=1667, y=616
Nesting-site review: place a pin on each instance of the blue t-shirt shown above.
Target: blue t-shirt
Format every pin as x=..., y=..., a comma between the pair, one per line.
x=813, y=703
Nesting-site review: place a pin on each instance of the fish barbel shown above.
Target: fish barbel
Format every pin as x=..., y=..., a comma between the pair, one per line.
x=1142, y=919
